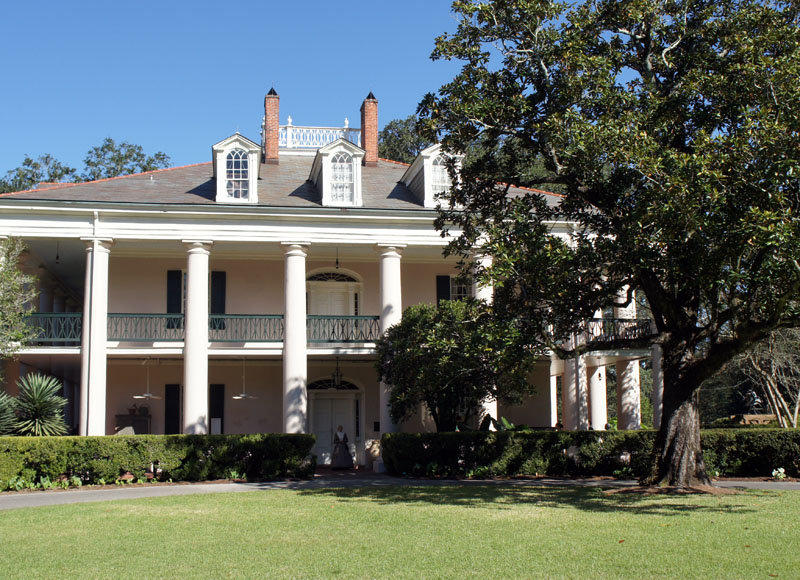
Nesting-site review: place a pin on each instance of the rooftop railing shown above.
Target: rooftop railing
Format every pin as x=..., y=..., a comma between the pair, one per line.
x=291, y=137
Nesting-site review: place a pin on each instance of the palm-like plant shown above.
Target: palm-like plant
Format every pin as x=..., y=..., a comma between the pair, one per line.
x=39, y=408
x=8, y=418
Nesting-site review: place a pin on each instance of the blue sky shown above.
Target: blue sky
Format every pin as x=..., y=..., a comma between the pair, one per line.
x=179, y=76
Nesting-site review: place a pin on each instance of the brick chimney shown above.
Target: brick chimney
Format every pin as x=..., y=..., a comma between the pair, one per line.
x=369, y=130
x=271, y=120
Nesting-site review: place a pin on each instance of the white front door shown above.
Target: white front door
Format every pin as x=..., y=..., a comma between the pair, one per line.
x=327, y=415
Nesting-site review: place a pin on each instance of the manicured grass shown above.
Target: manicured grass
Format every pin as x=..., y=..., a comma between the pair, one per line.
x=423, y=532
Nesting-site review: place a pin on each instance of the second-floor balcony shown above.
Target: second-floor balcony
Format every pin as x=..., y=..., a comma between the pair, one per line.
x=64, y=329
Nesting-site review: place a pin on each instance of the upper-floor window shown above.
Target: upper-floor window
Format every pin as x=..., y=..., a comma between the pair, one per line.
x=237, y=174
x=342, y=178
x=440, y=178
x=236, y=165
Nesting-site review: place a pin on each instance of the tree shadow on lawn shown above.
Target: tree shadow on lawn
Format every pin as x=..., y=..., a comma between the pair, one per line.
x=583, y=498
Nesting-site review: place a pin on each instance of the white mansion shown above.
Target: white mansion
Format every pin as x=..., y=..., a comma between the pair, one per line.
x=244, y=294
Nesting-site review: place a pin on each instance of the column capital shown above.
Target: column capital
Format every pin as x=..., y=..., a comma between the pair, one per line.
x=103, y=244
x=390, y=250
x=295, y=248
x=197, y=246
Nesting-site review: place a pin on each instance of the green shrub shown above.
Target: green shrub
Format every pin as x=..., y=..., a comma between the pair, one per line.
x=176, y=457
x=749, y=452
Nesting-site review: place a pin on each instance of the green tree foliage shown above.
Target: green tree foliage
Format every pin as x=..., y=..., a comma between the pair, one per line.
x=673, y=128
x=401, y=141
x=32, y=171
x=111, y=159
x=39, y=408
x=106, y=160
x=16, y=293
x=450, y=358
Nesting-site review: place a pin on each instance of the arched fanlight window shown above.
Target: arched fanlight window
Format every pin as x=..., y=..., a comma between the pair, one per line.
x=326, y=384
x=237, y=174
x=342, y=181
x=331, y=277
x=440, y=178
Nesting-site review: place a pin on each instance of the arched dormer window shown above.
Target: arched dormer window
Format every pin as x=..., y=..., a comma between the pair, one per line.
x=342, y=178
x=236, y=164
x=237, y=174
x=336, y=173
x=440, y=178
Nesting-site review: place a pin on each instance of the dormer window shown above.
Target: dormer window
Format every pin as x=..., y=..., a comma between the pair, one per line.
x=428, y=177
x=342, y=182
x=237, y=174
x=236, y=161
x=336, y=172
x=440, y=178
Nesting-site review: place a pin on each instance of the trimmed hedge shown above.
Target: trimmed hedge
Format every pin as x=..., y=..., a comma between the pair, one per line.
x=727, y=452
x=176, y=457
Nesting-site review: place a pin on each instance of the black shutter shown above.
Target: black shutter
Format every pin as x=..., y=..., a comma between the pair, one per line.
x=442, y=288
x=216, y=405
x=172, y=409
x=217, y=299
x=174, y=279
x=174, y=298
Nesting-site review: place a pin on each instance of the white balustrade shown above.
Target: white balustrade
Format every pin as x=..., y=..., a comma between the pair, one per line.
x=291, y=137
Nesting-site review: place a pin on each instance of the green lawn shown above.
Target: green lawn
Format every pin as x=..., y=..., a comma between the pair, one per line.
x=423, y=532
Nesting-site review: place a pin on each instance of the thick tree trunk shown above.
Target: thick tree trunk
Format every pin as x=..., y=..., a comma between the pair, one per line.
x=678, y=455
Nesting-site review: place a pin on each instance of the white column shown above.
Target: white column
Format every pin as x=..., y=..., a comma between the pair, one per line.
x=574, y=395
x=391, y=313
x=569, y=397
x=658, y=385
x=295, y=363
x=45, y=295
x=195, y=342
x=485, y=292
x=94, y=337
x=59, y=301
x=629, y=413
x=582, y=389
x=598, y=406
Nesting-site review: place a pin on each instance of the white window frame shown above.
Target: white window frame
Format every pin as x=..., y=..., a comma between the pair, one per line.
x=237, y=179
x=221, y=152
x=342, y=178
x=323, y=173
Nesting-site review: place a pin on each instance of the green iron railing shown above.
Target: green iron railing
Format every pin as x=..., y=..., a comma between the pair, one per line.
x=245, y=328
x=145, y=327
x=56, y=328
x=343, y=328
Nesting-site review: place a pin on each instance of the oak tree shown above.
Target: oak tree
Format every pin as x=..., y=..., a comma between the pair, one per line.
x=673, y=130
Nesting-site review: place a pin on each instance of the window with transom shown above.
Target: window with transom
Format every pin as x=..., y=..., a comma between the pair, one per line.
x=237, y=174
x=342, y=179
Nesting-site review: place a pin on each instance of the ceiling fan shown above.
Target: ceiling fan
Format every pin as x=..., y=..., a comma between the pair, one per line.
x=243, y=394
x=148, y=395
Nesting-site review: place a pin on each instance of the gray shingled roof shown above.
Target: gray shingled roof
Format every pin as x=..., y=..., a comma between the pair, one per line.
x=283, y=185
x=280, y=185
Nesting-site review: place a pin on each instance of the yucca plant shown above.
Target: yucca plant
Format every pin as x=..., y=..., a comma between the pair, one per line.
x=8, y=418
x=39, y=408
